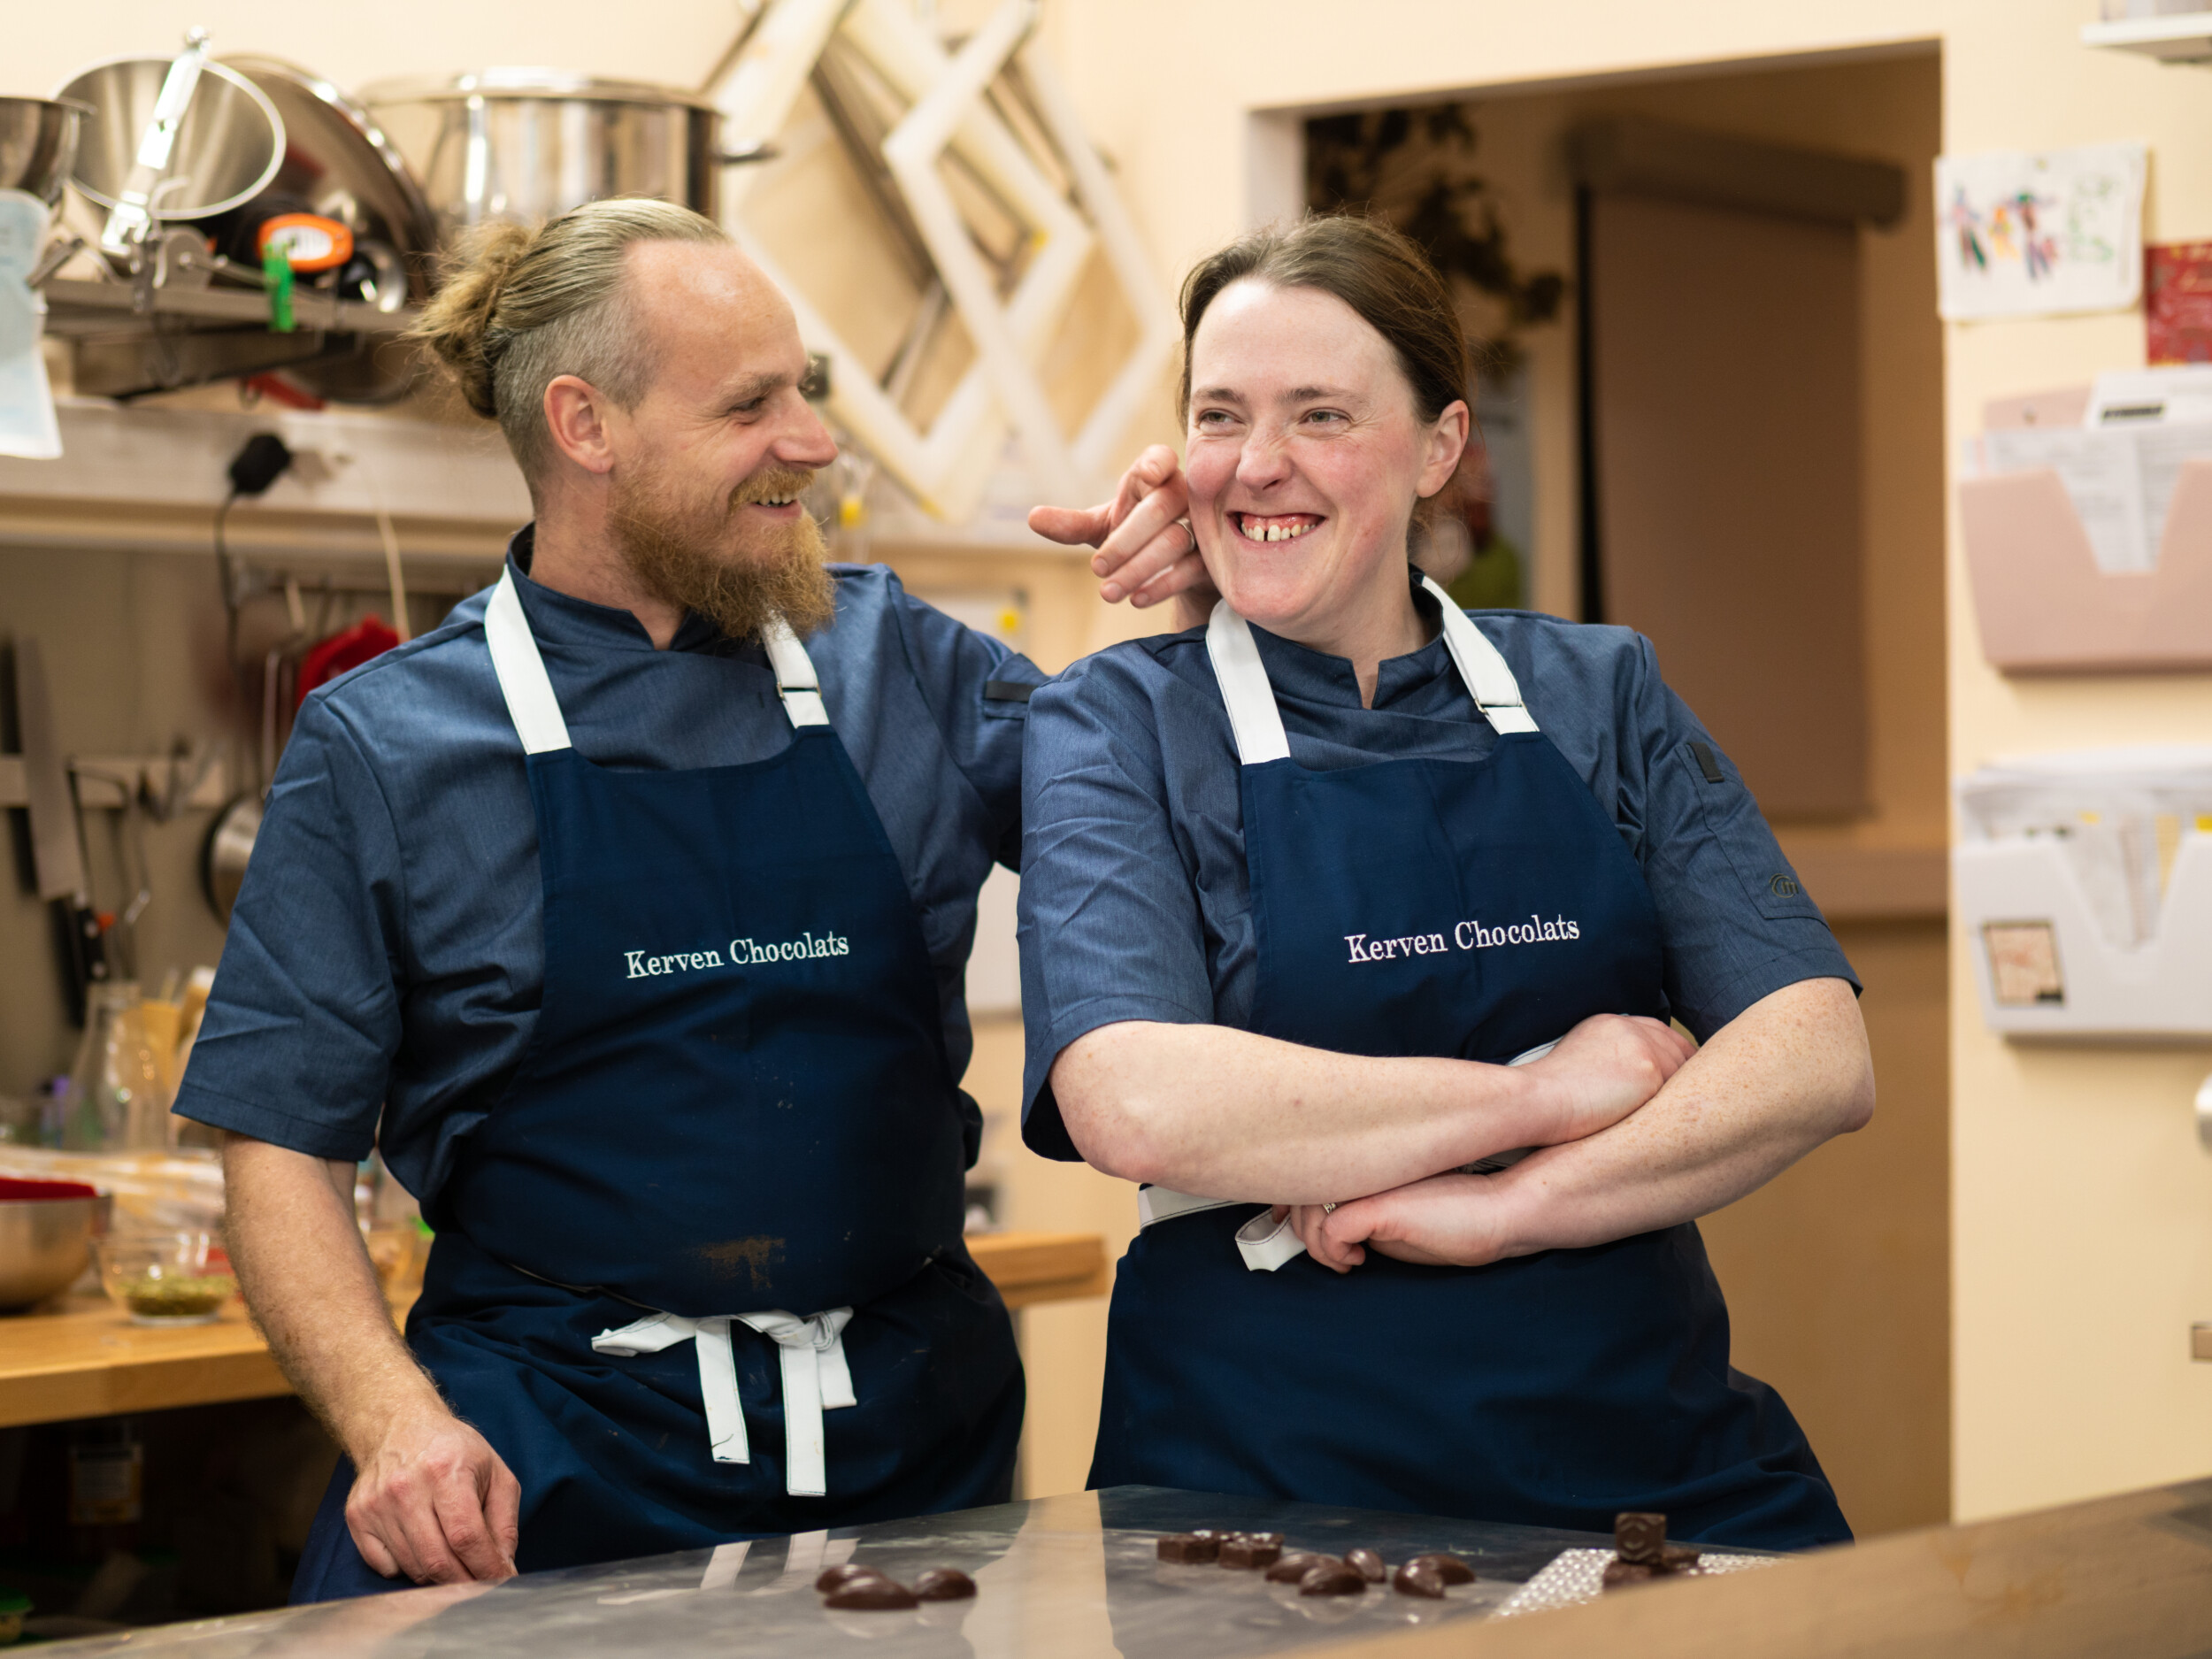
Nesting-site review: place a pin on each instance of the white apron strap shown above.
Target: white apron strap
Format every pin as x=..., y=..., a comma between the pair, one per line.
x=1258, y=724
x=531, y=704
x=536, y=712
x=796, y=681
x=1483, y=666
x=1253, y=717
x=815, y=1379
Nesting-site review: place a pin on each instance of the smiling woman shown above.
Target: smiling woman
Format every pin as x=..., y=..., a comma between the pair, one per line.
x=1330, y=903
x=1338, y=461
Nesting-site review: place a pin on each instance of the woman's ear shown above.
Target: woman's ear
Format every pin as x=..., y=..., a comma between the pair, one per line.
x=1447, y=441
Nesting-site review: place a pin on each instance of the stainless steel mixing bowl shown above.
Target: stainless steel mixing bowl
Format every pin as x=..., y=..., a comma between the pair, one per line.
x=38, y=144
x=44, y=1244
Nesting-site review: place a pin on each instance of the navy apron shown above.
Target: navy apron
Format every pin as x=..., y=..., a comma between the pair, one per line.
x=700, y=1274
x=1480, y=911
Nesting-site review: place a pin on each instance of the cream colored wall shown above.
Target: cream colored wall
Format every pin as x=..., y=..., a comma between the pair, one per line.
x=2083, y=1208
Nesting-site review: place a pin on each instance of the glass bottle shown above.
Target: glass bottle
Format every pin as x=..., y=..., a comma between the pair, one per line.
x=115, y=1102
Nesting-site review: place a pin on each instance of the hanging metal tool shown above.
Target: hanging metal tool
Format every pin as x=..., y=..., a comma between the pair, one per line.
x=131, y=216
x=56, y=852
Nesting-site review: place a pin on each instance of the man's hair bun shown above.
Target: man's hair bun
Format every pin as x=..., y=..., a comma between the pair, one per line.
x=460, y=323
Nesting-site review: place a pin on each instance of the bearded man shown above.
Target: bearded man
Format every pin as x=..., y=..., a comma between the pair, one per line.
x=628, y=913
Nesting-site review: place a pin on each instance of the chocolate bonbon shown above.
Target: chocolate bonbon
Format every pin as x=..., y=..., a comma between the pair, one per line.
x=872, y=1593
x=1641, y=1553
x=1418, y=1580
x=1333, y=1578
x=1295, y=1565
x=1451, y=1569
x=844, y=1573
x=1640, y=1538
x=1367, y=1564
x=944, y=1584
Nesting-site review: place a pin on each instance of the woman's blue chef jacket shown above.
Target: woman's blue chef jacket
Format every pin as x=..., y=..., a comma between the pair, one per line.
x=386, y=960
x=1136, y=903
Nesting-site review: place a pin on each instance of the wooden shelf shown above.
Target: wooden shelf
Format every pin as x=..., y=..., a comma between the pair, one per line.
x=86, y=1360
x=2176, y=38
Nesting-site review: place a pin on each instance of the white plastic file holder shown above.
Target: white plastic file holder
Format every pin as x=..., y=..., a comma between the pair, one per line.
x=2084, y=887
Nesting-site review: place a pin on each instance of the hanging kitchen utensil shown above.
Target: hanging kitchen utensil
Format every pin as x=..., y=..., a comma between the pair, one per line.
x=171, y=140
x=223, y=856
x=56, y=852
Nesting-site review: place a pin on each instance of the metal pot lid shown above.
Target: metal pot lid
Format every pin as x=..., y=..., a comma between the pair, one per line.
x=338, y=162
x=530, y=83
x=229, y=145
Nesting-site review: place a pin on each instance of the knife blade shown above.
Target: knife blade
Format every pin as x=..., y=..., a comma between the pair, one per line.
x=57, y=854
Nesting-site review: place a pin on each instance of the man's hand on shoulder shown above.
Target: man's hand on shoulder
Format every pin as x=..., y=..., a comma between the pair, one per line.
x=433, y=1501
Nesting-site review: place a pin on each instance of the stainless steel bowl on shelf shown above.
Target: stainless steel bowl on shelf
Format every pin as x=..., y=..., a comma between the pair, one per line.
x=525, y=144
x=44, y=1244
x=38, y=144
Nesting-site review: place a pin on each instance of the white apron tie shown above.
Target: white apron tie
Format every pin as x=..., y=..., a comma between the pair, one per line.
x=816, y=1379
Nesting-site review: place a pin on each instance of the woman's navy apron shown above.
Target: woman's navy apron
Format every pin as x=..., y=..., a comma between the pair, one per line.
x=1476, y=909
x=700, y=1274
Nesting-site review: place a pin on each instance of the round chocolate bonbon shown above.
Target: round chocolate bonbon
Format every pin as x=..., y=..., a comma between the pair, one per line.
x=1333, y=1578
x=1295, y=1565
x=872, y=1593
x=1367, y=1564
x=844, y=1573
x=944, y=1584
x=1451, y=1569
x=1419, y=1581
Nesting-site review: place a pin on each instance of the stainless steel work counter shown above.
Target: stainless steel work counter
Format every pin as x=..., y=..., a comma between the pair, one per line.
x=1067, y=1576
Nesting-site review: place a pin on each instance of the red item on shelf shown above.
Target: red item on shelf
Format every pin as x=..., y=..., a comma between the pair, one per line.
x=371, y=636
x=2178, y=303
x=14, y=1191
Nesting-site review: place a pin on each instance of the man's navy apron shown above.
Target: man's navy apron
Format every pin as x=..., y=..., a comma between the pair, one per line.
x=1475, y=910
x=700, y=1274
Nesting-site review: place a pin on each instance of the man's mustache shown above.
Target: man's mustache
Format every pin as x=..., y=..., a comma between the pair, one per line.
x=771, y=484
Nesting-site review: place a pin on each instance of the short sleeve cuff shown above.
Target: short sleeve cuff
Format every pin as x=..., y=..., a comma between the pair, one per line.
x=1042, y=1130
x=316, y=1139
x=1763, y=978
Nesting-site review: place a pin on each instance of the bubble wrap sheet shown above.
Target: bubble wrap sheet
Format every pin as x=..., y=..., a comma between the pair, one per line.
x=1576, y=1576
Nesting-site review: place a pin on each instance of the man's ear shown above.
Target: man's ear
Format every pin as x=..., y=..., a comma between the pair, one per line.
x=576, y=416
x=1447, y=442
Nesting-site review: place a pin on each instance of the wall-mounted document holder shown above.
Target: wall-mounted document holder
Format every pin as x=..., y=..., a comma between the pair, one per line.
x=2045, y=603
x=2084, y=887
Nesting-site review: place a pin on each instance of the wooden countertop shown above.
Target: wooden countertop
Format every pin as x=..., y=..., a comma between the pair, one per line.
x=86, y=1360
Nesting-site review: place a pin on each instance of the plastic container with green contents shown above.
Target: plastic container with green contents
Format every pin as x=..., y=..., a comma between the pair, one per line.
x=15, y=1607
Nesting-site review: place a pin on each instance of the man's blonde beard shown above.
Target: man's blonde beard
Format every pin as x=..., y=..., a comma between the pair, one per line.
x=702, y=562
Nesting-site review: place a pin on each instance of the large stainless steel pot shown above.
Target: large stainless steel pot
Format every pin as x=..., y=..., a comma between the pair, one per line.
x=525, y=144
x=38, y=144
